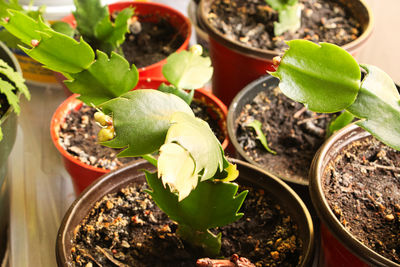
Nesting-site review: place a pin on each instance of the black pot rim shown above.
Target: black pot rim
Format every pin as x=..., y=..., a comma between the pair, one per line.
x=264, y=54
x=61, y=250
x=335, y=143
x=231, y=127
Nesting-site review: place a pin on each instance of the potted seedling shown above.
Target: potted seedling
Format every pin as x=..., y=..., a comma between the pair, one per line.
x=11, y=87
x=354, y=177
x=245, y=36
x=144, y=33
x=193, y=184
x=84, y=159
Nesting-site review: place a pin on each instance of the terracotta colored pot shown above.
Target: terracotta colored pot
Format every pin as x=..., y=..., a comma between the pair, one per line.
x=133, y=174
x=174, y=17
x=339, y=246
x=83, y=174
x=236, y=65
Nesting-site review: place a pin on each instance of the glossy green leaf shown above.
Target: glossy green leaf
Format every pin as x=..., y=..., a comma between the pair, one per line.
x=10, y=40
x=63, y=27
x=114, y=33
x=24, y=27
x=142, y=119
x=210, y=205
x=60, y=53
x=105, y=79
x=378, y=104
x=187, y=70
x=12, y=4
x=313, y=74
x=88, y=14
x=257, y=126
x=289, y=19
x=196, y=136
x=176, y=91
x=339, y=122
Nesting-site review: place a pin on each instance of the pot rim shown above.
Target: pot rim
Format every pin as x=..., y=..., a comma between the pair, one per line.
x=106, y=179
x=231, y=127
x=334, y=144
x=71, y=20
x=265, y=54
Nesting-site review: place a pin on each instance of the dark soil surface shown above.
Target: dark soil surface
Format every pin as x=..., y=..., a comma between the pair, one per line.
x=251, y=22
x=294, y=132
x=78, y=136
x=127, y=229
x=363, y=190
x=151, y=42
x=3, y=105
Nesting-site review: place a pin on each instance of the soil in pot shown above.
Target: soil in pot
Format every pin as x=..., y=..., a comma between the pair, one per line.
x=150, y=42
x=292, y=131
x=78, y=136
x=252, y=23
x=127, y=229
x=362, y=188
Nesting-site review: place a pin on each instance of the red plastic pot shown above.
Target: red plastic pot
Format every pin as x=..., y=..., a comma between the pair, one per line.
x=83, y=174
x=174, y=17
x=236, y=65
x=338, y=246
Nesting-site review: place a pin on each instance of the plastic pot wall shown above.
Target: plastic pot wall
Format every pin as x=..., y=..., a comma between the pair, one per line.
x=236, y=65
x=8, y=124
x=133, y=173
x=83, y=174
x=339, y=246
x=156, y=10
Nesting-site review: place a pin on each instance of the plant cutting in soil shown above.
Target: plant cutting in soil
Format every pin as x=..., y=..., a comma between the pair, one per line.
x=293, y=133
x=142, y=39
x=252, y=23
x=363, y=181
x=266, y=235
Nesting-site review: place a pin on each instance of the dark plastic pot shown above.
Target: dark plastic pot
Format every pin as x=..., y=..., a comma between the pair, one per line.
x=339, y=246
x=236, y=65
x=153, y=12
x=133, y=173
x=83, y=174
x=8, y=124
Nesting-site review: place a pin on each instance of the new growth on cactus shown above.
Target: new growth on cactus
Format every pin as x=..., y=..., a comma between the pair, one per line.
x=327, y=79
x=193, y=185
x=289, y=15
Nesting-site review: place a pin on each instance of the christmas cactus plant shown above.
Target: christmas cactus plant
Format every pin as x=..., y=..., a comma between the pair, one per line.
x=193, y=184
x=94, y=25
x=328, y=79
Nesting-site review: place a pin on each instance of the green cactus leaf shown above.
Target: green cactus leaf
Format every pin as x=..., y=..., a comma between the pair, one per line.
x=24, y=27
x=55, y=49
x=113, y=34
x=197, y=138
x=378, y=104
x=187, y=70
x=150, y=111
x=88, y=14
x=105, y=79
x=63, y=27
x=211, y=204
x=310, y=73
x=289, y=20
